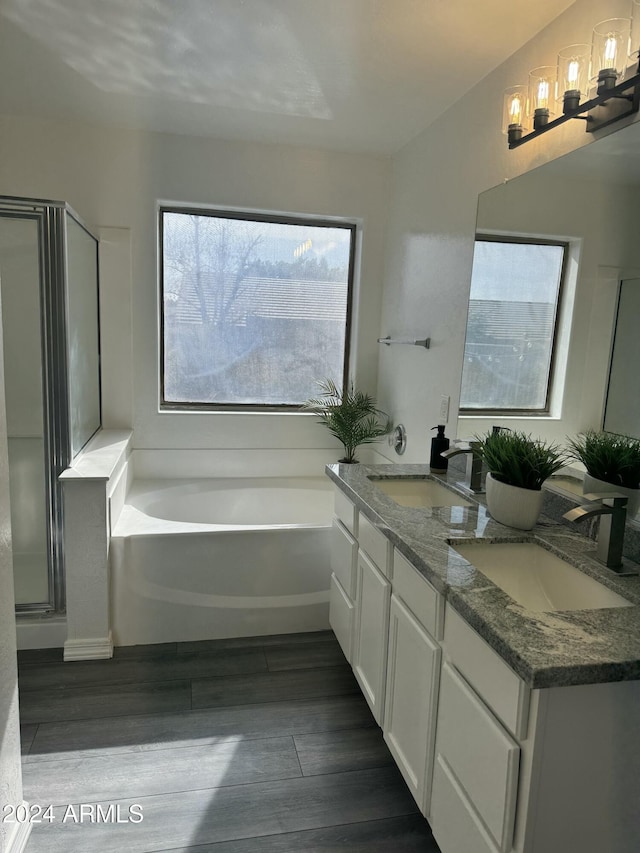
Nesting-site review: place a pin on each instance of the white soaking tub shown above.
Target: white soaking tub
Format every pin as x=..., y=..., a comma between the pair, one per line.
x=210, y=558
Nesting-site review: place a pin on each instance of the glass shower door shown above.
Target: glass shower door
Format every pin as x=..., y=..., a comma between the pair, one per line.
x=83, y=339
x=20, y=298
x=49, y=301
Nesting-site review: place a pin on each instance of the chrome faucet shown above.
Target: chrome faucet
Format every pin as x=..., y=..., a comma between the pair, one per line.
x=474, y=464
x=613, y=509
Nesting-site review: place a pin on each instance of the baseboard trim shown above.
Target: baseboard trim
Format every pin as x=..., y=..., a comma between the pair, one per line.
x=18, y=841
x=91, y=648
x=40, y=632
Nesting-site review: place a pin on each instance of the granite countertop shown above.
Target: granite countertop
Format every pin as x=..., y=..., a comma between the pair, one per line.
x=546, y=649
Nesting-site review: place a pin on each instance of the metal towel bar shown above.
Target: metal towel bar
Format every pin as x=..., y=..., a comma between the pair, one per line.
x=426, y=343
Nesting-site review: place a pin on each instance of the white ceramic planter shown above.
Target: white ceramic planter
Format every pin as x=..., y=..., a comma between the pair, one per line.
x=512, y=505
x=600, y=487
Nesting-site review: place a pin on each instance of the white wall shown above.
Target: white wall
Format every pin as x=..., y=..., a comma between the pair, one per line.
x=437, y=179
x=114, y=178
x=10, y=771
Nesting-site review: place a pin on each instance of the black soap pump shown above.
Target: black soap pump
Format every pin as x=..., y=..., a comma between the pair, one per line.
x=439, y=443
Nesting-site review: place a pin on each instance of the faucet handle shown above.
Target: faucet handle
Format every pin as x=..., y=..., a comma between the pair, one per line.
x=615, y=499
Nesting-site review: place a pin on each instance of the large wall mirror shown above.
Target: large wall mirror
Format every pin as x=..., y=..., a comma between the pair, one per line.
x=622, y=410
x=586, y=200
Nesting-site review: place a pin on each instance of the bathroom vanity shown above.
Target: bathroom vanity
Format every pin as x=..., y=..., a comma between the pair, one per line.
x=516, y=729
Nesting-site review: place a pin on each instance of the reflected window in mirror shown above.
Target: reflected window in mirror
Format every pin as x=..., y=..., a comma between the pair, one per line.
x=516, y=286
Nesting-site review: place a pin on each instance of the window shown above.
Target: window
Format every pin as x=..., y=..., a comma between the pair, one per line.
x=255, y=309
x=513, y=306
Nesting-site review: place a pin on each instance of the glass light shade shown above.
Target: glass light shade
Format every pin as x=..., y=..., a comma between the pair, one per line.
x=610, y=46
x=514, y=108
x=573, y=69
x=542, y=89
x=634, y=45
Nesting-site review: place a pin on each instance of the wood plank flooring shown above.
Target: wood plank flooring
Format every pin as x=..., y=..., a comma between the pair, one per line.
x=255, y=745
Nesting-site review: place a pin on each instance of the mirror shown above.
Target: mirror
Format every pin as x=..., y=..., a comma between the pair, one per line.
x=587, y=198
x=622, y=411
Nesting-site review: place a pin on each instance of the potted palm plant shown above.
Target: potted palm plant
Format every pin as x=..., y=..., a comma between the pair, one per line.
x=351, y=415
x=518, y=466
x=612, y=462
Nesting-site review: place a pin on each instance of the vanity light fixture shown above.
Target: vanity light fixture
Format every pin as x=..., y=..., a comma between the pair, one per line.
x=603, y=63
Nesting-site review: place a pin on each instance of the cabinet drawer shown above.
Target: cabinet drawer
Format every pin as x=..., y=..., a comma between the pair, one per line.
x=341, y=612
x=346, y=512
x=375, y=545
x=344, y=553
x=482, y=757
x=456, y=827
x=417, y=593
x=503, y=691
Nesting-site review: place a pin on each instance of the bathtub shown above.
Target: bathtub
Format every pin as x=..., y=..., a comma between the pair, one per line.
x=213, y=558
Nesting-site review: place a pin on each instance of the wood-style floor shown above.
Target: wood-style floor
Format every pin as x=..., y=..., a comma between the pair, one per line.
x=261, y=745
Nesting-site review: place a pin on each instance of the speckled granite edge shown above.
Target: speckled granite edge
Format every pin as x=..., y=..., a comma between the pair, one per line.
x=546, y=649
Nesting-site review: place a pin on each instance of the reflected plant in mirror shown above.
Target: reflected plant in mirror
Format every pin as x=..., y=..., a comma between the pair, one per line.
x=612, y=462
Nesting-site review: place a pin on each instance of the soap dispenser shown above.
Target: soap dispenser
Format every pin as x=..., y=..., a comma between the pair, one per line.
x=439, y=443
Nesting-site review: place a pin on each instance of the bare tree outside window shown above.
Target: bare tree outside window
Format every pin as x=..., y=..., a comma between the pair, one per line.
x=254, y=311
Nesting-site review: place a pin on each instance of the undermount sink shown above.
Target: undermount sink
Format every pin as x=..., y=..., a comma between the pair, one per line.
x=538, y=579
x=414, y=492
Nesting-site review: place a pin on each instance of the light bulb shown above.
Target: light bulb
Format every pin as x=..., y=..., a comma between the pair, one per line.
x=543, y=94
x=515, y=110
x=610, y=50
x=573, y=71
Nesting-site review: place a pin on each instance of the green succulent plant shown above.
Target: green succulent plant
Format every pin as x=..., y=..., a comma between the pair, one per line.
x=351, y=416
x=608, y=456
x=517, y=459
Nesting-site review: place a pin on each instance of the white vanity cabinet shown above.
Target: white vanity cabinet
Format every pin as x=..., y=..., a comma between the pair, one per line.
x=483, y=709
x=496, y=767
x=531, y=771
x=413, y=677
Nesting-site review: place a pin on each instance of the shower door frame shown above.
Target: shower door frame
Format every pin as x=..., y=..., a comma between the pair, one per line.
x=52, y=252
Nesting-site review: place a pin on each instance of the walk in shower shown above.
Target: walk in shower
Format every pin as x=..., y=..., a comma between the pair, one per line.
x=50, y=330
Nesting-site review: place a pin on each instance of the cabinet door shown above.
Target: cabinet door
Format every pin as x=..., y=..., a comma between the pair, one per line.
x=341, y=616
x=344, y=555
x=476, y=753
x=413, y=675
x=372, y=633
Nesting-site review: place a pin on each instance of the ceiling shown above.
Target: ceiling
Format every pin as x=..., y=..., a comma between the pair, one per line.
x=354, y=75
